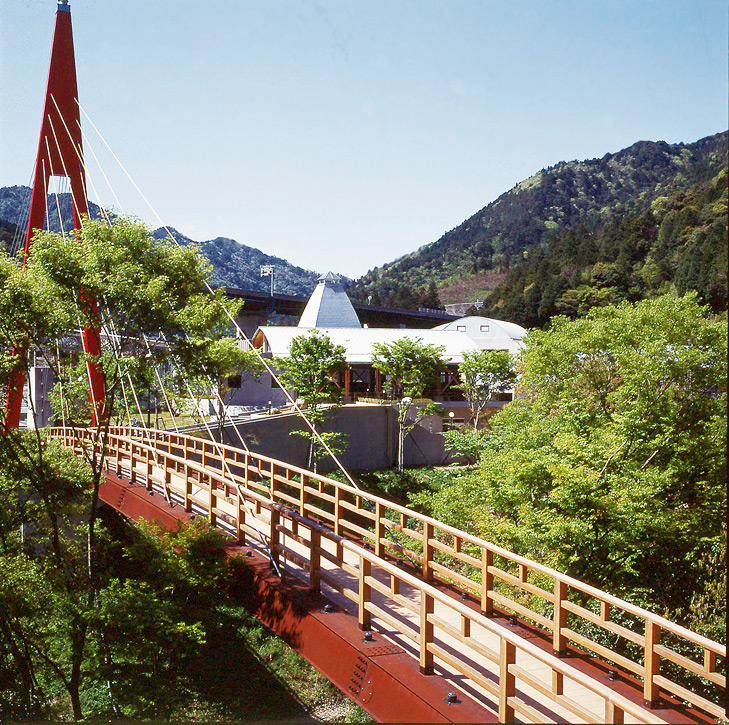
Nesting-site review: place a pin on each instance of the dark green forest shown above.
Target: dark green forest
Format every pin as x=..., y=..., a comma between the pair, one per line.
x=678, y=244
x=575, y=195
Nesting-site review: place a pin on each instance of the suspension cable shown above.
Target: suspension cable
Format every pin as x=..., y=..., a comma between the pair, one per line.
x=230, y=317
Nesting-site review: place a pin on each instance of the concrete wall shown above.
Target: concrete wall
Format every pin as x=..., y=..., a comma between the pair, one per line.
x=371, y=439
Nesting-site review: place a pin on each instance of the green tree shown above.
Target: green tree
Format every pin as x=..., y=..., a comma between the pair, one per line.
x=483, y=373
x=311, y=370
x=611, y=463
x=142, y=288
x=409, y=366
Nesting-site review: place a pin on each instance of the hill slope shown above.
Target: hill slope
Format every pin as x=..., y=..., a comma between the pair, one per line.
x=678, y=244
x=234, y=264
x=566, y=195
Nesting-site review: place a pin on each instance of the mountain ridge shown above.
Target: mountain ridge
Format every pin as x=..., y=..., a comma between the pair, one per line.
x=554, y=199
x=234, y=264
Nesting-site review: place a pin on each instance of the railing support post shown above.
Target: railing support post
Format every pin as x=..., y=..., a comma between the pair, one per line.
x=365, y=591
x=315, y=561
x=188, y=485
x=379, y=530
x=275, y=535
x=652, y=664
x=507, y=681
x=487, y=582
x=427, y=550
x=337, y=511
x=240, y=518
x=304, y=494
x=427, y=607
x=559, y=618
x=613, y=713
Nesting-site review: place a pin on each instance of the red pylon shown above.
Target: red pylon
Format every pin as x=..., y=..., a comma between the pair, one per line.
x=60, y=153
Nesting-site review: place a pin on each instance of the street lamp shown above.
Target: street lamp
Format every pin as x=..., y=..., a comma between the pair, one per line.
x=267, y=270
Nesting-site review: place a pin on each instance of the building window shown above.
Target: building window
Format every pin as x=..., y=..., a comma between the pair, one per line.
x=461, y=328
x=484, y=328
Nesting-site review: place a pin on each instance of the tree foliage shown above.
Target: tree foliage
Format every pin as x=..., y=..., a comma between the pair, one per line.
x=311, y=370
x=409, y=366
x=610, y=463
x=483, y=374
x=141, y=288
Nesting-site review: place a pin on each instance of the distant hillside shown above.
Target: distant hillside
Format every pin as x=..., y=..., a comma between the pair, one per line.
x=473, y=258
x=678, y=244
x=234, y=264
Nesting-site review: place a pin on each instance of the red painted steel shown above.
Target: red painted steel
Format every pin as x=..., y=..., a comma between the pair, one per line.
x=60, y=153
x=379, y=676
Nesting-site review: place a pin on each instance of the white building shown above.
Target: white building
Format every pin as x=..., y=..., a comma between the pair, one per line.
x=330, y=311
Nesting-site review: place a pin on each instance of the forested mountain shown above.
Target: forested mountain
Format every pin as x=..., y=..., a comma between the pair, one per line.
x=679, y=243
x=474, y=257
x=234, y=264
x=237, y=265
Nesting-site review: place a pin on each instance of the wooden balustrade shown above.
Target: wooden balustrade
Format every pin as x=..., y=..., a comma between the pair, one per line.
x=201, y=474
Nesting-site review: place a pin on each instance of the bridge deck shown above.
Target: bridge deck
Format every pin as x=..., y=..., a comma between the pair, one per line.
x=385, y=565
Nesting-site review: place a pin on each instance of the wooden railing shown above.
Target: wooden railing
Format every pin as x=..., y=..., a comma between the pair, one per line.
x=370, y=536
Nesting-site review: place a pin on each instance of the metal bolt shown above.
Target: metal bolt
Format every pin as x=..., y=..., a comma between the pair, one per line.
x=612, y=675
x=400, y=562
x=464, y=597
x=328, y=608
x=151, y=493
x=368, y=637
x=451, y=698
x=247, y=553
x=513, y=621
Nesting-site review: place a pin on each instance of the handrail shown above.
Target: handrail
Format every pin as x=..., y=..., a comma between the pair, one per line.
x=309, y=496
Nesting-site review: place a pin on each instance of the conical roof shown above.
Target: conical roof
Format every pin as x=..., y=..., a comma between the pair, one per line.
x=329, y=305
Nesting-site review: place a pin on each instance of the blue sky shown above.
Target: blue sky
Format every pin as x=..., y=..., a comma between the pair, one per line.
x=341, y=135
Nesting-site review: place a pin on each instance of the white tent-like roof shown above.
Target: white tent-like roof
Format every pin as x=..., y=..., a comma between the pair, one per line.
x=329, y=305
x=489, y=334
x=358, y=342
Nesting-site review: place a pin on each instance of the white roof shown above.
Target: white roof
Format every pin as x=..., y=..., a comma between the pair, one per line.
x=358, y=341
x=329, y=305
x=485, y=331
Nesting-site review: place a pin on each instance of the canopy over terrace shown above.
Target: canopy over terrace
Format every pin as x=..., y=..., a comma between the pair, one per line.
x=359, y=377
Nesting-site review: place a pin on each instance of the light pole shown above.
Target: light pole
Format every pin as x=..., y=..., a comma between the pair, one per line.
x=267, y=270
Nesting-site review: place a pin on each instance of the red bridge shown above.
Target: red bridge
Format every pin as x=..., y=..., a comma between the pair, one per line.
x=461, y=630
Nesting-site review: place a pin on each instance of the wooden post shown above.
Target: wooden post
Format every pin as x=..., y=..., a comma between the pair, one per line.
x=613, y=713
x=427, y=550
x=132, y=471
x=304, y=494
x=559, y=618
x=273, y=481
x=212, y=485
x=347, y=382
x=337, y=511
x=379, y=530
x=275, y=536
x=365, y=591
x=507, y=681
x=188, y=485
x=240, y=519
x=427, y=607
x=558, y=684
x=315, y=561
x=247, y=462
x=487, y=582
x=652, y=664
